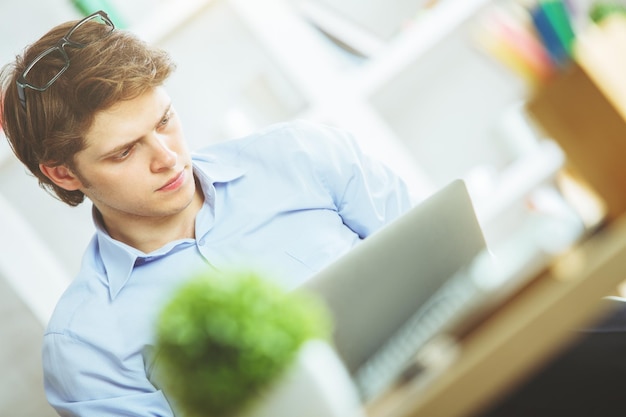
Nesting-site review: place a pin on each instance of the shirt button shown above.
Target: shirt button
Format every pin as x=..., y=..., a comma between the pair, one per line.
x=202, y=242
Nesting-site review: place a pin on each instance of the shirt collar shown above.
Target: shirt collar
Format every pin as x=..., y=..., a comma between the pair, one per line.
x=210, y=170
x=119, y=259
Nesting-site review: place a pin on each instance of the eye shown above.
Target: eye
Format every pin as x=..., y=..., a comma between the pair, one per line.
x=166, y=119
x=124, y=154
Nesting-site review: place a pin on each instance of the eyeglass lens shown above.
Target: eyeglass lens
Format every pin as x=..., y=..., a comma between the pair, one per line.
x=47, y=68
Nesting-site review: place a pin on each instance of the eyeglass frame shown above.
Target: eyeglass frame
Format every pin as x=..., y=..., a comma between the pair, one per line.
x=21, y=82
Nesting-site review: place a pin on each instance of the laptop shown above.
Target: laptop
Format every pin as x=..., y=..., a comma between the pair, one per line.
x=381, y=292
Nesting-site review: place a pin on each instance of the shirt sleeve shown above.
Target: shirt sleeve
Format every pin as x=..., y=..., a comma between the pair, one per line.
x=81, y=380
x=367, y=193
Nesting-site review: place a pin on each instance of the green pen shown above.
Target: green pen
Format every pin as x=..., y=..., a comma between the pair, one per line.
x=87, y=7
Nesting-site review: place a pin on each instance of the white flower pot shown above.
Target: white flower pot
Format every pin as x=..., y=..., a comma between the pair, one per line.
x=316, y=385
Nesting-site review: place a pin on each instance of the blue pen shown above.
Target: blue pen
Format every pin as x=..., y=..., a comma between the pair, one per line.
x=549, y=36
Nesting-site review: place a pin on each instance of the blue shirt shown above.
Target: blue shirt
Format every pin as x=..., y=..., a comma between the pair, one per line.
x=285, y=201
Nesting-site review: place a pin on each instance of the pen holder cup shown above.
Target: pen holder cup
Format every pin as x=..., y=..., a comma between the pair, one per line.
x=573, y=111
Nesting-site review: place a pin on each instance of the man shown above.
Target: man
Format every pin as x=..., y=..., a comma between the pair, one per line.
x=86, y=111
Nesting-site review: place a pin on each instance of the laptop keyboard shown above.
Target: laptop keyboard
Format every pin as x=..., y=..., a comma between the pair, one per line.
x=411, y=350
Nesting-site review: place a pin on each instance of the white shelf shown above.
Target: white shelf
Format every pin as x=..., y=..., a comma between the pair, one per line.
x=345, y=31
x=421, y=37
x=302, y=52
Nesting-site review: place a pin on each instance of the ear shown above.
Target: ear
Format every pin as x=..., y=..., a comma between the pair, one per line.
x=61, y=176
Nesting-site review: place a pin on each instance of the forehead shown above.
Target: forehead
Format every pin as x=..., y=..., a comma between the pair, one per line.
x=127, y=120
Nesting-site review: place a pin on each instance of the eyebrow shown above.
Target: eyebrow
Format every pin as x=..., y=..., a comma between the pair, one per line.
x=119, y=149
x=128, y=144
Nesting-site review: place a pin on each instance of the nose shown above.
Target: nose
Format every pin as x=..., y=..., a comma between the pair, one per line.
x=162, y=156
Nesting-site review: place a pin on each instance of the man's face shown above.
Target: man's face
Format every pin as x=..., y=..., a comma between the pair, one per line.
x=136, y=164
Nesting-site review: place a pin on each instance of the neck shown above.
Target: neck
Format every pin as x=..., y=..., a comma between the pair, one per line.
x=151, y=233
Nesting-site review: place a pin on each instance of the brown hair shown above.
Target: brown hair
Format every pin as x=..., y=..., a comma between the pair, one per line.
x=51, y=129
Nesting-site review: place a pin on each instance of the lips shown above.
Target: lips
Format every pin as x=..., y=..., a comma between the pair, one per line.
x=174, y=183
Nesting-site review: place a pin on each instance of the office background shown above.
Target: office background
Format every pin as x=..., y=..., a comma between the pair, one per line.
x=406, y=77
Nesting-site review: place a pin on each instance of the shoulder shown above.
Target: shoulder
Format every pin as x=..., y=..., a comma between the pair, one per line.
x=70, y=306
x=281, y=138
x=295, y=149
x=302, y=134
x=295, y=128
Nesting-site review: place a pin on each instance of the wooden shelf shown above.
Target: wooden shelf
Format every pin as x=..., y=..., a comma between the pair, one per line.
x=584, y=110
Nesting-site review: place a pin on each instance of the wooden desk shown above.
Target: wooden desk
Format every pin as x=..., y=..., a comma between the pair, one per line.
x=584, y=110
x=524, y=333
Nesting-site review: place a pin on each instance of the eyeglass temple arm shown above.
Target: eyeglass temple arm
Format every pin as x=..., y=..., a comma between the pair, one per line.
x=21, y=93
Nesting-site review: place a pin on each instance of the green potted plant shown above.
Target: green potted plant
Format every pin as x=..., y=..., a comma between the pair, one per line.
x=234, y=344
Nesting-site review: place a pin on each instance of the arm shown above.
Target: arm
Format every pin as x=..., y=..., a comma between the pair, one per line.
x=367, y=194
x=74, y=371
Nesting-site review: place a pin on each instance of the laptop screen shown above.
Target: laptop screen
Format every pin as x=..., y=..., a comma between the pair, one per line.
x=377, y=286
